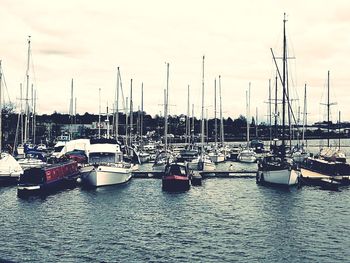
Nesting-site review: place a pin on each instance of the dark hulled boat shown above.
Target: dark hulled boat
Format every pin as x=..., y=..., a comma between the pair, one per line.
x=48, y=178
x=176, y=178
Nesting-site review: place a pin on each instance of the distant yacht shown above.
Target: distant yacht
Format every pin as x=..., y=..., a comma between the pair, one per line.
x=247, y=155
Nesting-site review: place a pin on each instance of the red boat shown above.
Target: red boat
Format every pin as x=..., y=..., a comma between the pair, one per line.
x=48, y=178
x=176, y=178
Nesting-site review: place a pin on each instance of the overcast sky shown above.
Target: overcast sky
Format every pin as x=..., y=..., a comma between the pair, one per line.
x=87, y=40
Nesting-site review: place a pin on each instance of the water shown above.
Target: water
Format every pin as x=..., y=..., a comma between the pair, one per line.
x=225, y=220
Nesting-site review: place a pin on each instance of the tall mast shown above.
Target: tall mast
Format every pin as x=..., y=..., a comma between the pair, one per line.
x=0, y=108
x=22, y=121
x=304, y=116
x=188, y=125
x=99, y=113
x=270, y=111
x=141, y=121
x=248, y=113
x=202, y=116
x=328, y=108
x=215, y=121
x=339, y=130
x=207, y=125
x=166, y=109
x=276, y=110
x=107, y=120
x=116, y=120
x=284, y=84
x=126, y=120
x=32, y=112
x=131, y=114
x=26, y=120
x=222, y=133
x=256, y=122
x=71, y=110
x=34, y=117
x=192, y=128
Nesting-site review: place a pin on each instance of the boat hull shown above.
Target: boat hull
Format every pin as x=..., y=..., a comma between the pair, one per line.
x=175, y=183
x=246, y=159
x=105, y=175
x=217, y=158
x=283, y=177
x=201, y=166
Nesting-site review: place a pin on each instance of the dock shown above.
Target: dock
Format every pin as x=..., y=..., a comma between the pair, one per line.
x=209, y=174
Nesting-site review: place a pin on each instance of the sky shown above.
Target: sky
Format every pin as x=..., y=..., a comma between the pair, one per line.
x=88, y=40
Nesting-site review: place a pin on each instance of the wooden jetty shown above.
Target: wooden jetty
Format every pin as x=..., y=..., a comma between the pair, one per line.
x=209, y=174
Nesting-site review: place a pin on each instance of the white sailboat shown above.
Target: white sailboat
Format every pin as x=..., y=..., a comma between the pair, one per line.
x=275, y=169
x=247, y=155
x=164, y=157
x=10, y=170
x=216, y=156
x=203, y=162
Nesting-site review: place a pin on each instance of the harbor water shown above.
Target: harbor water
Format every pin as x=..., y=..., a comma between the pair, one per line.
x=224, y=220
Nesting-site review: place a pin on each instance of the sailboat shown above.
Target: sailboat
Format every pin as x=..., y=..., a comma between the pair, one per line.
x=247, y=155
x=330, y=163
x=299, y=153
x=203, y=162
x=216, y=155
x=164, y=157
x=145, y=157
x=275, y=169
x=10, y=170
x=190, y=152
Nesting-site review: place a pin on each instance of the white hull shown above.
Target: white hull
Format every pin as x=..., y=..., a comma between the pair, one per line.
x=280, y=177
x=247, y=156
x=317, y=175
x=217, y=158
x=9, y=167
x=104, y=175
x=246, y=159
x=201, y=166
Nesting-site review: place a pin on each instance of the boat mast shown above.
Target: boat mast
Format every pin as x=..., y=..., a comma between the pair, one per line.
x=99, y=113
x=34, y=117
x=248, y=113
x=328, y=108
x=339, y=131
x=276, y=110
x=131, y=114
x=71, y=110
x=141, y=121
x=284, y=84
x=188, y=125
x=26, y=120
x=304, y=116
x=22, y=121
x=126, y=120
x=192, y=128
x=116, y=120
x=202, y=115
x=221, y=119
x=215, y=120
x=107, y=120
x=270, y=121
x=0, y=108
x=166, y=109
